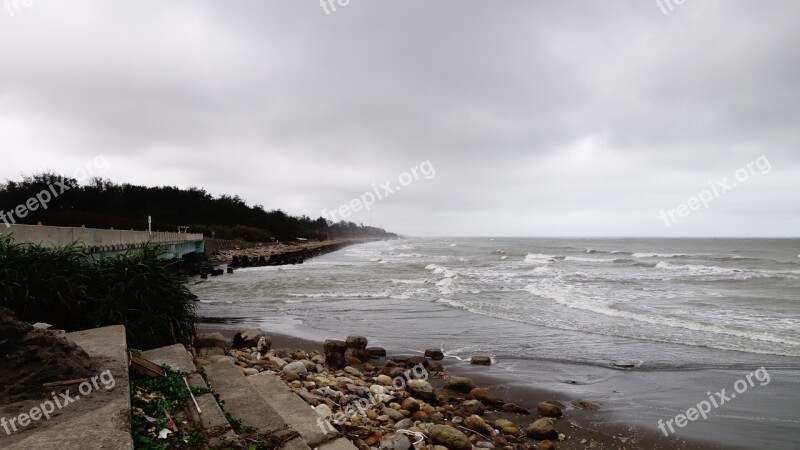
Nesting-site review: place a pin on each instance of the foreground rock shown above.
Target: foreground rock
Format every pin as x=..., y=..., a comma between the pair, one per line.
x=449, y=437
x=542, y=429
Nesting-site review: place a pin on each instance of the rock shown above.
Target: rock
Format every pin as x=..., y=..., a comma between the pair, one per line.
x=546, y=445
x=511, y=431
x=352, y=371
x=473, y=407
x=475, y=423
x=351, y=360
x=548, y=410
x=297, y=368
x=357, y=342
x=238, y=341
x=449, y=437
x=334, y=353
x=460, y=384
x=264, y=344
x=376, y=352
x=481, y=360
x=209, y=340
x=436, y=366
x=395, y=442
x=310, y=365
x=502, y=423
x=587, y=405
x=542, y=429
x=484, y=445
x=42, y=326
x=385, y=380
x=250, y=372
x=410, y=405
x=434, y=354
x=417, y=360
x=404, y=424
x=513, y=408
x=485, y=396
x=251, y=337
x=422, y=390
x=394, y=414
x=277, y=363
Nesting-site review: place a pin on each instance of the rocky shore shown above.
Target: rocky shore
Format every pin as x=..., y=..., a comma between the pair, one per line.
x=400, y=402
x=279, y=253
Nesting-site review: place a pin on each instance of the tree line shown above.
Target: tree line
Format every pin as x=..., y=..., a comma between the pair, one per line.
x=103, y=204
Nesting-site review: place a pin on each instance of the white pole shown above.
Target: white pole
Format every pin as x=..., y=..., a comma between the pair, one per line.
x=150, y=225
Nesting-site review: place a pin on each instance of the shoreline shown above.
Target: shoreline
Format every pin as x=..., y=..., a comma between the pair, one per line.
x=583, y=428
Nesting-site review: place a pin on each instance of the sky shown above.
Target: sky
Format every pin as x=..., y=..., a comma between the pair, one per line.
x=513, y=118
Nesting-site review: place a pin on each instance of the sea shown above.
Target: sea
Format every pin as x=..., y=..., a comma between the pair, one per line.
x=647, y=327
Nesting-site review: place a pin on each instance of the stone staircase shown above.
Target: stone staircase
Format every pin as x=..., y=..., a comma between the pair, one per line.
x=262, y=404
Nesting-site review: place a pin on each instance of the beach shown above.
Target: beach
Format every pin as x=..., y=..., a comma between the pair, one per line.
x=639, y=372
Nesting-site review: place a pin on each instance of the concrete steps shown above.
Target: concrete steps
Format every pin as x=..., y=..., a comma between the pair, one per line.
x=98, y=420
x=262, y=403
x=240, y=400
x=211, y=417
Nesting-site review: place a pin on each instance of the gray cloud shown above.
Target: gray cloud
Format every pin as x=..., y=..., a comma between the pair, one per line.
x=569, y=118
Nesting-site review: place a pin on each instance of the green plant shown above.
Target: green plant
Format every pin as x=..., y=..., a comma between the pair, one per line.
x=64, y=287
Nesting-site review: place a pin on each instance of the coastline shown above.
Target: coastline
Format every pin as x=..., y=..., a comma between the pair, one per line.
x=582, y=428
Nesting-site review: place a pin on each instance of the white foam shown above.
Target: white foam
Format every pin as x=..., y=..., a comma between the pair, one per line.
x=554, y=290
x=657, y=255
x=592, y=260
x=538, y=258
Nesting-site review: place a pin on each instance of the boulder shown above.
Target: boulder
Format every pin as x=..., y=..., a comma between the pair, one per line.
x=434, y=354
x=334, y=353
x=395, y=441
x=546, y=409
x=356, y=342
x=376, y=352
x=481, y=360
x=475, y=423
x=485, y=396
x=449, y=437
x=296, y=367
x=542, y=429
x=460, y=384
x=473, y=407
x=277, y=363
x=513, y=408
x=422, y=390
x=251, y=337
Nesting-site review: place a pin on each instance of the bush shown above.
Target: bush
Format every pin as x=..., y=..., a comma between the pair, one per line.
x=65, y=288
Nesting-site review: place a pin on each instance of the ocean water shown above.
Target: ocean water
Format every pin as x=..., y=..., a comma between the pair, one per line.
x=646, y=327
x=651, y=303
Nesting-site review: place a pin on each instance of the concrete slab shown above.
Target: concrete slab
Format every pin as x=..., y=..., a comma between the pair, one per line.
x=294, y=411
x=240, y=402
x=98, y=418
x=175, y=356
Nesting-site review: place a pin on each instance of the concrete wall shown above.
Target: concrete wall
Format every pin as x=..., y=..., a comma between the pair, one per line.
x=105, y=242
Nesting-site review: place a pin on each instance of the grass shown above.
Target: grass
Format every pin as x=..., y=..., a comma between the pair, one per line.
x=65, y=288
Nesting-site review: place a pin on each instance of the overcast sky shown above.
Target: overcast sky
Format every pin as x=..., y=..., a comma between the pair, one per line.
x=539, y=118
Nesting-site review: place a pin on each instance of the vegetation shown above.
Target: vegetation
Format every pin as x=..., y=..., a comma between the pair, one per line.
x=103, y=204
x=64, y=288
x=157, y=403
